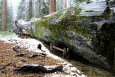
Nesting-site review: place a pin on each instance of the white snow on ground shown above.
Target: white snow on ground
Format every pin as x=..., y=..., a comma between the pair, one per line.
x=31, y=45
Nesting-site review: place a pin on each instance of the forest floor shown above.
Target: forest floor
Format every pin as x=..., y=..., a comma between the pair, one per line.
x=9, y=57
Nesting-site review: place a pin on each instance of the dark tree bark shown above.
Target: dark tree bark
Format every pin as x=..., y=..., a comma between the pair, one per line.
x=52, y=6
x=36, y=68
x=3, y=14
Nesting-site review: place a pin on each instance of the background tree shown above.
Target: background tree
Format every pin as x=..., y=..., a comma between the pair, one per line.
x=41, y=8
x=30, y=9
x=52, y=6
x=34, y=8
x=3, y=14
x=9, y=17
x=0, y=15
x=23, y=10
x=65, y=4
x=59, y=5
x=37, y=8
x=8, y=14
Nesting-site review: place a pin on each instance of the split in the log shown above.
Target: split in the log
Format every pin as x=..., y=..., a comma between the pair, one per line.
x=36, y=68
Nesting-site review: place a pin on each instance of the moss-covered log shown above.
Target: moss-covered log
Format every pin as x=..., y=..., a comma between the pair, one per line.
x=77, y=27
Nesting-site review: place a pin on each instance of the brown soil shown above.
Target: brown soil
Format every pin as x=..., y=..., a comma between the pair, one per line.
x=8, y=57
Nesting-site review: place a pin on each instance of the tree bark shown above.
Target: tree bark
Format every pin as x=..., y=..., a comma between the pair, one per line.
x=30, y=9
x=3, y=14
x=65, y=4
x=52, y=6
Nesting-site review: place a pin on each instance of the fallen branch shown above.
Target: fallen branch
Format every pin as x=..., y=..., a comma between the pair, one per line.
x=4, y=66
x=36, y=68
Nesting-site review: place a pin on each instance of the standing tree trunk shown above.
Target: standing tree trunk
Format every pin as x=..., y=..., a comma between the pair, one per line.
x=3, y=14
x=65, y=4
x=30, y=9
x=52, y=6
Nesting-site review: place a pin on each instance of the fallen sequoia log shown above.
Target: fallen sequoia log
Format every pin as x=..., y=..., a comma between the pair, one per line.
x=86, y=29
x=36, y=68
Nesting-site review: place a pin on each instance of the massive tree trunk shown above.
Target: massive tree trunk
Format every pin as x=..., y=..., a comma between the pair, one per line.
x=78, y=28
x=52, y=6
x=3, y=14
x=30, y=9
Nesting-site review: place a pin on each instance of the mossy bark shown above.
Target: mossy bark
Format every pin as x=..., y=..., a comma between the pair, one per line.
x=77, y=32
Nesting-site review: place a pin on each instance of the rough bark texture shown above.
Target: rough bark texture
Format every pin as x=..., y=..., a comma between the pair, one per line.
x=79, y=28
x=52, y=6
x=3, y=14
